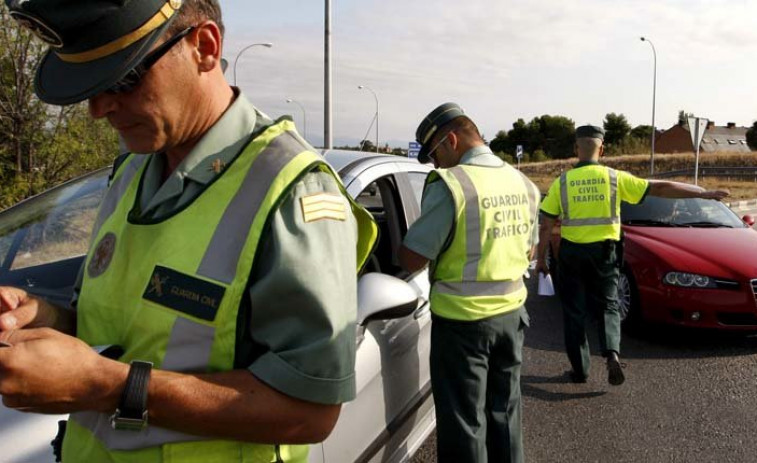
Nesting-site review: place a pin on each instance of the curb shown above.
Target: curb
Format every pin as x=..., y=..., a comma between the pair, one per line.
x=747, y=204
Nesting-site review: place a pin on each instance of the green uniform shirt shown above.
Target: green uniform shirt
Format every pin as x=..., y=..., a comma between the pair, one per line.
x=629, y=188
x=431, y=232
x=294, y=305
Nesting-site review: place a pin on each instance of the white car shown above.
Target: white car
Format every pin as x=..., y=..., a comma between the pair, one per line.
x=43, y=241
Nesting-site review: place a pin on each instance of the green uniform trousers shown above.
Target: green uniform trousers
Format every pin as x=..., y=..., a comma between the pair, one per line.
x=588, y=285
x=475, y=377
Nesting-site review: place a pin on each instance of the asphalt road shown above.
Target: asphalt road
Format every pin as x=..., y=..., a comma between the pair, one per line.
x=690, y=396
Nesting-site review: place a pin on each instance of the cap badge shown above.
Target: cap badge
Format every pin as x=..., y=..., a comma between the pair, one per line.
x=38, y=28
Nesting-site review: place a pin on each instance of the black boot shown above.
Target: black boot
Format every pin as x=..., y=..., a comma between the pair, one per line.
x=615, y=374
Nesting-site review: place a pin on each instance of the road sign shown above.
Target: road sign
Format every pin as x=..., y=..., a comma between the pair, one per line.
x=697, y=127
x=413, y=148
x=519, y=151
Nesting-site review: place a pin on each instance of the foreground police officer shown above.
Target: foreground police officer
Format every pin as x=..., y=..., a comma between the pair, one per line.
x=587, y=199
x=208, y=261
x=477, y=228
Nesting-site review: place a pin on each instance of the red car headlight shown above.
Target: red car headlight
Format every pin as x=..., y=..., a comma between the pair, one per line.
x=689, y=280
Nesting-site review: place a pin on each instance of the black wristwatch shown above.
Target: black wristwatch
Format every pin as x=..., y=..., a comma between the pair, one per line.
x=131, y=414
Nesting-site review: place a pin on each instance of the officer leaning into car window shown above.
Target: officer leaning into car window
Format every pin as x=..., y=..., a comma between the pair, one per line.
x=208, y=260
x=477, y=229
x=587, y=200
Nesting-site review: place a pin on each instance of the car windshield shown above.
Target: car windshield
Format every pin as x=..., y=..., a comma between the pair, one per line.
x=688, y=212
x=54, y=225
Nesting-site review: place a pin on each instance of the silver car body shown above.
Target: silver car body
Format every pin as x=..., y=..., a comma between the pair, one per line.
x=393, y=412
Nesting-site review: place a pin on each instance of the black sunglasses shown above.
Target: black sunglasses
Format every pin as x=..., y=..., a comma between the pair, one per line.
x=132, y=78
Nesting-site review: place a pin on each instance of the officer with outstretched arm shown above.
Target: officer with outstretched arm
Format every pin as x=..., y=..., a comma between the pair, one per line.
x=587, y=201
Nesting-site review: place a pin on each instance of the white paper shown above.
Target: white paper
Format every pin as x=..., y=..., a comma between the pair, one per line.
x=545, y=285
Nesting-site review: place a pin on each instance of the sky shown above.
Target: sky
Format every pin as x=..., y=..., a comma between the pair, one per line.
x=501, y=60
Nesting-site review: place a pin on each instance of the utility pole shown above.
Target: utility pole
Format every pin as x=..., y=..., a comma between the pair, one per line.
x=654, y=95
x=328, y=142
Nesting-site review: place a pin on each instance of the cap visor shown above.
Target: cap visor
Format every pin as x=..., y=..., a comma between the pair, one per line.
x=61, y=83
x=423, y=155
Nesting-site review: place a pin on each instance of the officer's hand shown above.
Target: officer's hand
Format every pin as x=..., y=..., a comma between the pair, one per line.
x=541, y=267
x=18, y=309
x=716, y=194
x=46, y=371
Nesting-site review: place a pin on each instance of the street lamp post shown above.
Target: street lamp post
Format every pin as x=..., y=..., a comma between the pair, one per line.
x=328, y=140
x=375, y=97
x=654, y=94
x=304, y=117
x=265, y=44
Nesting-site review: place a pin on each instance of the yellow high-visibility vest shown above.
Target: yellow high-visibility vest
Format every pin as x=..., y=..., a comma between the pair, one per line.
x=480, y=274
x=169, y=292
x=590, y=199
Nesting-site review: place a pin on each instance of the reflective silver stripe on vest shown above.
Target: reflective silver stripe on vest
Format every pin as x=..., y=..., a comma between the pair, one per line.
x=613, y=193
x=472, y=224
x=612, y=220
x=189, y=346
x=564, y=204
x=533, y=195
x=478, y=288
x=99, y=424
x=117, y=190
x=220, y=259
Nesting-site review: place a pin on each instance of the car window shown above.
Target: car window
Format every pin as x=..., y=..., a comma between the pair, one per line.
x=382, y=200
x=682, y=211
x=418, y=181
x=53, y=226
x=5, y=246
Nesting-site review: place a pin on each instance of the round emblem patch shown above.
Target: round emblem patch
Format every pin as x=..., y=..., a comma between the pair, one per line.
x=38, y=28
x=175, y=4
x=102, y=255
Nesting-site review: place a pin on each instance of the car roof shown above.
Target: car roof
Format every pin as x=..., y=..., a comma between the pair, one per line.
x=341, y=160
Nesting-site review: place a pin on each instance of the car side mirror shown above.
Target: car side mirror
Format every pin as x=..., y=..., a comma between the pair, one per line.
x=748, y=219
x=383, y=297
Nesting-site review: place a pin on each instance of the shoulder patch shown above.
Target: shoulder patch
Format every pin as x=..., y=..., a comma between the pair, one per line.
x=102, y=256
x=323, y=206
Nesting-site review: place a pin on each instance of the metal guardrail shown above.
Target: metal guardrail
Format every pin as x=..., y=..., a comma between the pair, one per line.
x=707, y=171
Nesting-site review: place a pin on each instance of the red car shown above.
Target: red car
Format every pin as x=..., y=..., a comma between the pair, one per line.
x=687, y=262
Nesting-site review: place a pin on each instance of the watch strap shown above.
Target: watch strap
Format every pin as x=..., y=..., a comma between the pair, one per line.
x=131, y=413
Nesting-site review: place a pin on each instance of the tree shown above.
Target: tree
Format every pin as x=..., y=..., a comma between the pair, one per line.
x=642, y=132
x=751, y=137
x=500, y=142
x=616, y=128
x=40, y=145
x=367, y=145
x=556, y=135
x=553, y=135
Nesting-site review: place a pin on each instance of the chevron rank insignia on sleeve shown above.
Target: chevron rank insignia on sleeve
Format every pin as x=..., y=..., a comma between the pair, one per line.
x=323, y=206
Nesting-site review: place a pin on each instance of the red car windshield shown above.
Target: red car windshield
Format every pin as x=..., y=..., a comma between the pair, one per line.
x=689, y=212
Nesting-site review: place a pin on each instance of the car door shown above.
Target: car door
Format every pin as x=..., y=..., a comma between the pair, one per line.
x=393, y=411
x=42, y=242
